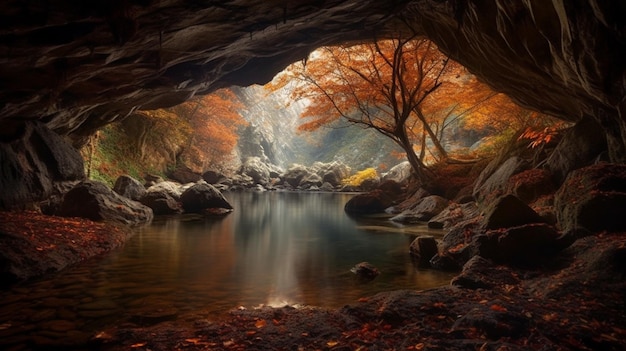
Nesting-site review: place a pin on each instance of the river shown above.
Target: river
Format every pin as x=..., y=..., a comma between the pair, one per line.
x=275, y=249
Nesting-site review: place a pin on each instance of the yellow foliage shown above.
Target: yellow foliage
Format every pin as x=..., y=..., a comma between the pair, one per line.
x=360, y=176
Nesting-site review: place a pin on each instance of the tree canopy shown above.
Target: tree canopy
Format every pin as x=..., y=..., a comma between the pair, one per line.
x=406, y=89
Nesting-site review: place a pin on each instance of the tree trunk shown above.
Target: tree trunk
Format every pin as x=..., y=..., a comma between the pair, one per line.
x=416, y=164
x=440, y=149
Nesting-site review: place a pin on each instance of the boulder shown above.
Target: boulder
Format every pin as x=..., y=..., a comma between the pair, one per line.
x=202, y=196
x=369, y=203
x=311, y=180
x=33, y=160
x=184, y=174
x=492, y=184
x=294, y=175
x=241, y=181
x=161, y=202
x=94, y=200
x=410, y=201
x=369, y=184
x=589, y=141
x=454, y=214
x=423, y=248
x=171, y=188
x=510, y=211
x=481, y=273
x=456, y=246
x=129, y=187
x=526, y=245
x=365, y=271
x=213, y=177
x=152, y=179
x=425, y=209
x=530, y=185
x=400, y=173
x=332, y=172
x=256, y=169
x=327, y=187
x=593, y=199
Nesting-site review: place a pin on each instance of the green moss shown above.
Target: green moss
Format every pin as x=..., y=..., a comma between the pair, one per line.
x=114, y=155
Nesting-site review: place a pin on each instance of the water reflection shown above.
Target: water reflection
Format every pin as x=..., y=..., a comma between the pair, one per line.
x=275, y=248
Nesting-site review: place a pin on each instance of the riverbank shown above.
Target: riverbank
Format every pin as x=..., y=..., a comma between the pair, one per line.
x=33, y=244
x=574, y=302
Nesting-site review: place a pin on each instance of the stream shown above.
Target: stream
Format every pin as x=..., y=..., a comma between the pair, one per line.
x=275, y=249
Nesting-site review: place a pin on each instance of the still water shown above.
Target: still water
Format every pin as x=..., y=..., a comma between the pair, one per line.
x=276, y=248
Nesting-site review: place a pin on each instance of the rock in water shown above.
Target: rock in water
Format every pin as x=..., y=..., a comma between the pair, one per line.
x=94, y=200
x=365, y=270
x=202, y=196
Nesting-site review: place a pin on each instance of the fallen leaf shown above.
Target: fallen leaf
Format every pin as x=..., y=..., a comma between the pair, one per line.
x=139, y=344
x=260, y=323
x=498, y=308
x=332, y=343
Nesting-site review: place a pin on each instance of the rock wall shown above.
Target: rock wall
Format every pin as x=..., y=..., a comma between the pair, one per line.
x=77, y=66
x=35, y=165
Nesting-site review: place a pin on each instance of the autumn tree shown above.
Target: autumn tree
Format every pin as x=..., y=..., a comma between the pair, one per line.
x=384, y=85
x=214, y=120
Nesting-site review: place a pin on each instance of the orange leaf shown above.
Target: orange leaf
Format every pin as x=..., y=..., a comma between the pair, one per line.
x=260, y=323
x=139, y=344
x=498, y=308
x=332, y=343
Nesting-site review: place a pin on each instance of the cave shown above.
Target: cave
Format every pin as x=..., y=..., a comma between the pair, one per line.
x=74, y=68
x=69, y=68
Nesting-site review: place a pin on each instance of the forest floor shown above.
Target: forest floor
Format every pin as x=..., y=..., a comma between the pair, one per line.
x=576, y=301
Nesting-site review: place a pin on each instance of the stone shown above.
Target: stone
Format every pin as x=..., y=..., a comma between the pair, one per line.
x=593, y=199
x=94, y=200
x=526, y=245
x=129, y=187
x=423, y=248
x=171, y=188
x=294, y=175
x=213, y=177
x=184, y=174
x=456, y=246
x=152, y=179
x=311, y=180
x=492, y=184
x=587, y=138
x=34, y=161
x=481, y=273
x=161, y=202
x=369, y=203
x=256, y=169
x=369, y=184
x=453, y=214
x=509, y=211
x=332, y=172
x=530, y=185
x=327, y=187
x=400, y=173
x=365, y=271
x=425, y=209
x=202, y=196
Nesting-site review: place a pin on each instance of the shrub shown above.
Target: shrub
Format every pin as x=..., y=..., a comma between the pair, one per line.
x=360, y=176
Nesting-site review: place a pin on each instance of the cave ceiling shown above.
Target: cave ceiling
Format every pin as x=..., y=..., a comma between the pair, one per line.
x=78, y=65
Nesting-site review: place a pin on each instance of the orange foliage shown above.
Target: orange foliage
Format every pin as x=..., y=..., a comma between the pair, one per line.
x=214, y=120
x=397, y=87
